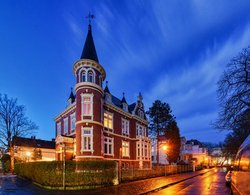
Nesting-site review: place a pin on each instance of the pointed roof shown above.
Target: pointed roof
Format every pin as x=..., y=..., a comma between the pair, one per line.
x=123, y=99
x=89, y=51
x=106, y=90
x=71, y=96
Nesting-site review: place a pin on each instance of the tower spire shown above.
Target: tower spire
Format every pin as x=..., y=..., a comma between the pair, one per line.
x=89, y=51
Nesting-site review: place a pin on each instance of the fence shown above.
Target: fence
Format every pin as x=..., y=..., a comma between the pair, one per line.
x=156, y=171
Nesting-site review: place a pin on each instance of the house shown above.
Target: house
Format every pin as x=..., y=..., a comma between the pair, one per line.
x=32, y=149
x=98, y=125
x=193, y=151
x=163, y=142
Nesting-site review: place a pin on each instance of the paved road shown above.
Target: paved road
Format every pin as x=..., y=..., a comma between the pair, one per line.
x=16, y=186
x=209, y=183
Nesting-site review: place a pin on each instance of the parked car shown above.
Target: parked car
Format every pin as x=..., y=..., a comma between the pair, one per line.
x=228, y=178
x=240, y=179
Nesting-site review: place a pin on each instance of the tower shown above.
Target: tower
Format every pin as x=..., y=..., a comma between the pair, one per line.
x=89, y=76
x=98, y=125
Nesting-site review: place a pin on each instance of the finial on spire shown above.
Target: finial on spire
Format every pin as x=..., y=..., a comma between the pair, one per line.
x=140, y=97
x=90, y=17
x=106, y=90
x=123, y=98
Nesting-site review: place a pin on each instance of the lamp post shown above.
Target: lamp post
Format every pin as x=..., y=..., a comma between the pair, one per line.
x=120, y=165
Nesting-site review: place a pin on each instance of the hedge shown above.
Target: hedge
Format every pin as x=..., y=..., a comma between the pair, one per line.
x=81, y=174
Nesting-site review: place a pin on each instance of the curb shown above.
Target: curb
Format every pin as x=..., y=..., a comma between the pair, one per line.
x=173, y=183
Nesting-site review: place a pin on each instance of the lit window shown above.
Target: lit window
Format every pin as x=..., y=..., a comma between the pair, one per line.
x=90, y=76
x=87, y=105
x=73, y=122
x=59, y=128
x=108, y=120
x=87, y=139
x=125, y=148
x=142, y=149
x=108, y=145
x=66, y=125
x=125, y=127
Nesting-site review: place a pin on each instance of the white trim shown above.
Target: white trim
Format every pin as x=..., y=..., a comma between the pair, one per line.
x=125, y=148
x=66, y=111
x=73, y=115
x=88, y=85
x=108, y=120
x=125, y=127
x=59, y=124
x=65, y=121
x=88, y=136
x=87, y=95
x=94, y=75
x=109, y=143
x=89, y=63
x=89, y=157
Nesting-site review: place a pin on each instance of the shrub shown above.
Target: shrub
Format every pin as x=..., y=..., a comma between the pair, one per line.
x=83, y=173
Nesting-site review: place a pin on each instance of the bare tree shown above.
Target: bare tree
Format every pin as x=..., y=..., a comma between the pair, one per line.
x=234, y=92
x=13, y=122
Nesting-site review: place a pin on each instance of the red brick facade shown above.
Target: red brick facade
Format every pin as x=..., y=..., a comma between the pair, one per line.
x=99, y=125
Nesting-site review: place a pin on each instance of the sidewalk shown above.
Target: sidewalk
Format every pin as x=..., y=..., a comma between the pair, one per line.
x=146, y=185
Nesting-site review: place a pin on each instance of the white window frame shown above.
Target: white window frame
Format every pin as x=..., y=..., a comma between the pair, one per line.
x=93, y=75
x=125, y=149
x=108, y=120
x=143, y=150
x=86, y=135
x=73, y=122
x=125, y=127
x=109, y=141
x=125, y=107
x=140, y=130
x=82, y=72
x=66, y=125
x=141, y=113
x=91, y=104
x=59, y=128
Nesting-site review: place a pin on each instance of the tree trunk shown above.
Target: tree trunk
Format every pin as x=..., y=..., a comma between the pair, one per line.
x=157, y=150
x=12, y=159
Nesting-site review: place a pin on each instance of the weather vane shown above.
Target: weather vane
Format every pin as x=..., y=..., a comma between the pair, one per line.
x=90, y=17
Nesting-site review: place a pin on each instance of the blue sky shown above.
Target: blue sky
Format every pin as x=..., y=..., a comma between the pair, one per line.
x=174, y=51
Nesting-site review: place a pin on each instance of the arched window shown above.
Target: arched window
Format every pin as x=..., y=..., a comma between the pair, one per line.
x=83, y=76
x=90, y=76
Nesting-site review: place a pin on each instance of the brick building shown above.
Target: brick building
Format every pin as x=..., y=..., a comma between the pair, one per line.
x=98, y=125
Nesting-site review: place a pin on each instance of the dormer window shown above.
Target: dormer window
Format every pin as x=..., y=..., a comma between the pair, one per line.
x=90, y=76
x=125, y=107
x=108, y=98
x=141, y=113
